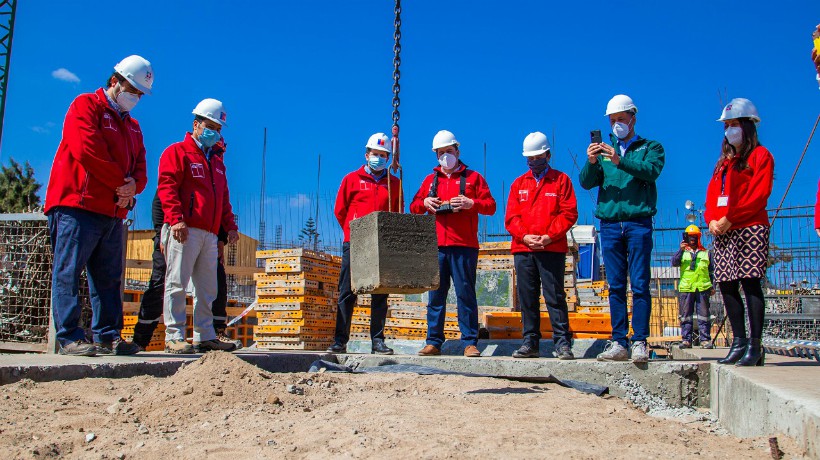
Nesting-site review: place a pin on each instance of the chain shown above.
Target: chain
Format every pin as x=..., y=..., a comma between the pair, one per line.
x=396, y=63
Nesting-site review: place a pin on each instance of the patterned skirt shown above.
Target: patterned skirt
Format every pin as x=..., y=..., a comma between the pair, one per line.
x=742, y=253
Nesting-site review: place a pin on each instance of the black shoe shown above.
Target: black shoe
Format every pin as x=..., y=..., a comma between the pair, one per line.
x=118, y=347
x=526, y=351
x=78, y=348
x=379, y=348
x=337, y=348
x=736, y=352
x=754, y=356
x=564, y=353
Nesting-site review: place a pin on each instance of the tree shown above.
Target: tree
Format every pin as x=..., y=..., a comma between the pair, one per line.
x=18, y=188
x=309, y=236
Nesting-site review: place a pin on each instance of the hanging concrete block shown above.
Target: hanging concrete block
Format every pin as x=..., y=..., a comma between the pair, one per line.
x=392, y=253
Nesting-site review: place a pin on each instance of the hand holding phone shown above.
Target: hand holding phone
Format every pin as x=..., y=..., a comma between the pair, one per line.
x=595, y=136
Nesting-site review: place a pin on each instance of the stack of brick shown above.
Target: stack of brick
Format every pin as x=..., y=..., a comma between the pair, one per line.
x=296, y=299
x=405, y=320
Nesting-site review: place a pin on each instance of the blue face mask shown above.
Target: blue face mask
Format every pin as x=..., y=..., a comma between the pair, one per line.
x=538, y=165
x=209, y=137
x=376, y=162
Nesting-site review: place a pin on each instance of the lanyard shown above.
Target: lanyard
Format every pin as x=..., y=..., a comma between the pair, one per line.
x=723, y=180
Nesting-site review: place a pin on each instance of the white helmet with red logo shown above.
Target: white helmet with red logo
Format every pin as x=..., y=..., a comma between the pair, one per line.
x=379, y=141
x=212, y=110
x=739, y=108
x=138, y=71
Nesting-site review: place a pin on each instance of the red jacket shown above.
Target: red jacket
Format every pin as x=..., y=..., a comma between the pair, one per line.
x=193, y=190
x=457, y=228
x=360, y=194
x=99, y=149
x=547, y=207
x=747, y=191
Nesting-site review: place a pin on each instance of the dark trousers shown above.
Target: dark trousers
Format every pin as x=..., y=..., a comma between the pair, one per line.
x=83, y=239
x=688, y=301
x=152, y=299
x=460, y=263
x=627, y=248
x=755, y=306
x=542, y=272
x=347, y=302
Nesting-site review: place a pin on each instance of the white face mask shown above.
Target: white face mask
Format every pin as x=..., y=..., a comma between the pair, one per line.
x=127, y=101
x=620, y=130
x=447, y=160
x=734, y=134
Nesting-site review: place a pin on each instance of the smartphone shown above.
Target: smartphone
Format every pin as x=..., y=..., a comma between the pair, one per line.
x=595, y=136
x=816, y=36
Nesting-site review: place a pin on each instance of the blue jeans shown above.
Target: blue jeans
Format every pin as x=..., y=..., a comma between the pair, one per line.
x=627, y=248
x=83, y=239
x=459, y=263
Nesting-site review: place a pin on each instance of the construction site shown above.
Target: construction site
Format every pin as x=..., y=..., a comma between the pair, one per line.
x=283, y=394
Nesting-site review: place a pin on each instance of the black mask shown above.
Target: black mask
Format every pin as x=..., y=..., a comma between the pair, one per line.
x=538, y=165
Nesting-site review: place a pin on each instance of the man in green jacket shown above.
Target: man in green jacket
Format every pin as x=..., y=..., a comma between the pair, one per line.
x=625, y=173
x=695, y=287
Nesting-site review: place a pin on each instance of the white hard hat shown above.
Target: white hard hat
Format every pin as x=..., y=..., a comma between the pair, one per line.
x=739, y=108
x=535, y=144
x=620, y=103
x=443, y=139
x=137, y=71
x=212, y=110
x=379, y=141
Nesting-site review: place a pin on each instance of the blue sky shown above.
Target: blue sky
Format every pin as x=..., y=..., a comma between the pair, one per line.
x=318, y=76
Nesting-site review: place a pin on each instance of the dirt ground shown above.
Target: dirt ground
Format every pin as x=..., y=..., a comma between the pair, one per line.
x=223, y=407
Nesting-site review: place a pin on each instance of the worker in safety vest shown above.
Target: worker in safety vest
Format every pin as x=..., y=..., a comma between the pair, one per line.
x=695, y=287
x=540, y=211
x=456, y=196
x=363, y=191
x=98, y=170
x=193, y=191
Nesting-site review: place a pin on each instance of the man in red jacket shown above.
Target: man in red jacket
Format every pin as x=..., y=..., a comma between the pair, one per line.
x=540, y=211
x=363, y=191
x=98, y=170
x=456, y=195
x=193, y=190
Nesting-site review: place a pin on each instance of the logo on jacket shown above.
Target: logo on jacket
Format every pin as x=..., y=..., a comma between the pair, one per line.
x=108, y=123
x=523, y=195
x=220, y=171
x=365, y=185
x=198, y=170
x=550, y=194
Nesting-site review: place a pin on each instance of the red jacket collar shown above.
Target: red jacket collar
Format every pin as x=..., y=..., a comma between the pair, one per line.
x=461, y=168
x=364, y=174
x=102, y=100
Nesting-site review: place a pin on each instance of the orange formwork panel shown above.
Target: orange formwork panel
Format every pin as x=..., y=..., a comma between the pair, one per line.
x=295, y=330
x=295, y=306
x=306, y=314
x=297, y=252
x=328, y=323
x=578, y=322
x=267, y=277
x=290, y=299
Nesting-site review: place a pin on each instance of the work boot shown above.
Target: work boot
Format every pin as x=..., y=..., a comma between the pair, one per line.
x=614, y=351
x=222, y=336
x=378, y=347
x=685, y=344
x=564, y=353
x=736, y=352
x=707, y=344
x=213, y=345
x=118, y=347
x=472, y=351
x=429, y=350
x=754, y=356
x=526, y=351
x=337, y=348
x=639, y=352
x=78, y=348
x=178, y=347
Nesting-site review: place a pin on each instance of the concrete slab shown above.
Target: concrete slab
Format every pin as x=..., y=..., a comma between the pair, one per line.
x=393, y=253
x=582, y=348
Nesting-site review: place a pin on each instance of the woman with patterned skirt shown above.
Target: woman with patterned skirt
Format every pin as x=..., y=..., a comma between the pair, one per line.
x=736, y=212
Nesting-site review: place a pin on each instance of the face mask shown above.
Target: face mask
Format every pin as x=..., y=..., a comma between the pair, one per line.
x=127, y=101
x=620, y=130
x=447, y=160
x=538, y=165
x=209, y=137
x=376, y=163
x=734, y=134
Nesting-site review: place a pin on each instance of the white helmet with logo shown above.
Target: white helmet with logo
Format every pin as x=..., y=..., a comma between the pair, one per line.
x=739, y=108
x=137, y=71
x=443, y=139
x=620, y=103
x=212, y=110
x=379, y=141
x=535, y=144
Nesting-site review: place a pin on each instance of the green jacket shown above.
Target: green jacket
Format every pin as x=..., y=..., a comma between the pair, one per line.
x=628, y=190
x=694, y=279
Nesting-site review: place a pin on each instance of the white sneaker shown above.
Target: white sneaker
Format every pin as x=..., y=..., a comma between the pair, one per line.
x=639, y=353
x=614, y=352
